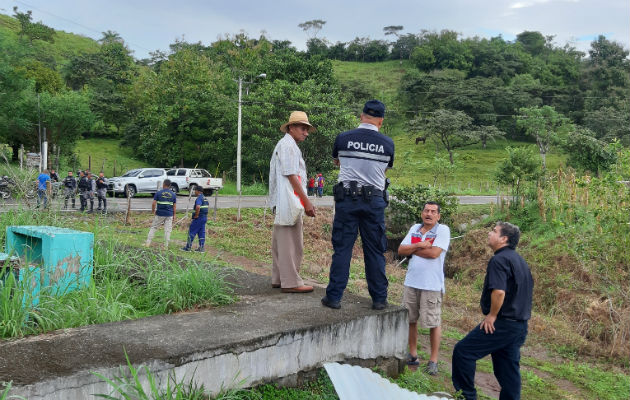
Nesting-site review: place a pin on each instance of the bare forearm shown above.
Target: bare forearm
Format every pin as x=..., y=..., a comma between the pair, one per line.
x=496, y=302
x=297, y=188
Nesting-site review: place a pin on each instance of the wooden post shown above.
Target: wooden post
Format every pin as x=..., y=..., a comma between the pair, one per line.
x=90, y=162
x=114, y=174
x=216, y=194
x=57, y=159
x=21, y=154
x=128, y=209
x=103, y=166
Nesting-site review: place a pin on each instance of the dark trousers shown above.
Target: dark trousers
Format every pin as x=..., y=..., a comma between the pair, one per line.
x=504, y=346
x=42, y=195
x=197, y=228
x=351, y=217
x=83, y=194
x=320, y=191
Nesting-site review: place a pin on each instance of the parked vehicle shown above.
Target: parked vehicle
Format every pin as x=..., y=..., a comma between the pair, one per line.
x=188, y=178
x=140, y=180
x=8, y=188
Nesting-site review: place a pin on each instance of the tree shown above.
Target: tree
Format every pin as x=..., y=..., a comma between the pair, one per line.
x=312, y=27
x=533, y=42
x=111, y=37
x=394, y=30
x=545, y=125
x=403, y=47
x=34, y=31
x=520, y=166
x=452, y=129
x=489, y=132
x=588, y=153
x=66, y=116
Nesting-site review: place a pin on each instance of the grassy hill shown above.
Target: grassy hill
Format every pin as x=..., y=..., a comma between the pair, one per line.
x=366, y=81
x=105, y=152
x=64, y=47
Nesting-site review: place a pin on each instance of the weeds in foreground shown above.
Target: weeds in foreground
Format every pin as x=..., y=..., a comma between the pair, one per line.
x=126, y=284
x=4, y=395
x=141, y=384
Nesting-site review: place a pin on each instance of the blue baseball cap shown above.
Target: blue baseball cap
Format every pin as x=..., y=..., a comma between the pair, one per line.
x=374, y=108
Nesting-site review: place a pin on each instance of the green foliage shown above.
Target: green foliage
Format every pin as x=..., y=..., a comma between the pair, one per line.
x=543, y=124
x=589, y=154
x=452, y=129
x=125, y=285
x=406, y=205
x=128, y=386
x=33, y=30
x=520, y=167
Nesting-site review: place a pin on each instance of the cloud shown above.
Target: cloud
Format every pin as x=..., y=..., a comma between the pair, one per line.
x=531, y=3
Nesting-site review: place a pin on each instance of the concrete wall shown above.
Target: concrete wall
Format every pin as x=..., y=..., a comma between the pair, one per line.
x=379, y=336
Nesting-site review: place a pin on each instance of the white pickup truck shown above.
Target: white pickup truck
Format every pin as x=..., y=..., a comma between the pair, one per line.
x=188, y=178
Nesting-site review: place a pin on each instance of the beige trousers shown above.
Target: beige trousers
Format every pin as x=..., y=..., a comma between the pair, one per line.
x=157, y=222
x=287, y=249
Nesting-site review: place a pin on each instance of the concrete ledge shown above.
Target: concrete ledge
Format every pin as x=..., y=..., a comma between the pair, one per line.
x=269, y=336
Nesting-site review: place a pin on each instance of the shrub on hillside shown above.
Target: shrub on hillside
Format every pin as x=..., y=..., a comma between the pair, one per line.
x=406, y=204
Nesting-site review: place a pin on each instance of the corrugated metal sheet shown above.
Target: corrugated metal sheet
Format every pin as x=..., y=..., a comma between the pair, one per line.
x=356, y=383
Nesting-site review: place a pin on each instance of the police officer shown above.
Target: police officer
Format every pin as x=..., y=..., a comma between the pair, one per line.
x=70, y=188
x=199, y=219
x=363, y=155
x=84, y=186
x=101, y=192
x=91, y=190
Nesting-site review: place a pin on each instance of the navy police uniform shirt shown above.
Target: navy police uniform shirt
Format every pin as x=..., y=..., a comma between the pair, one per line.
x=202, y=202
x=165, y=199
x=364, y=154
x=508, y=271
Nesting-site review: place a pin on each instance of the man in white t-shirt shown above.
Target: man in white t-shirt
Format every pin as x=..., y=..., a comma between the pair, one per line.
x=427, y=244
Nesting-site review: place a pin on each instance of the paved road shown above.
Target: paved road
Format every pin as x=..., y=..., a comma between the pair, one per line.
x=144, y=203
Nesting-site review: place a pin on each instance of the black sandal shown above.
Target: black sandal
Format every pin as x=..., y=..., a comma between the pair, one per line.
x=412, y=360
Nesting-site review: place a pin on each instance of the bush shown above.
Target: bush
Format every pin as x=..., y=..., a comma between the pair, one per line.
x=406, y=204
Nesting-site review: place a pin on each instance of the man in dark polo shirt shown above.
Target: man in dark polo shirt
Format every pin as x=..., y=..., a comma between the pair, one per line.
x=363, y=155
x=506, y=301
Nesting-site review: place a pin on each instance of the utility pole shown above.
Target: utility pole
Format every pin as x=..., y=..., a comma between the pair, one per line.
x=39, y=133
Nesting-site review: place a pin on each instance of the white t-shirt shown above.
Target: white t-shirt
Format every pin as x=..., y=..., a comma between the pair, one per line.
x=286, y=160
x=427, y=273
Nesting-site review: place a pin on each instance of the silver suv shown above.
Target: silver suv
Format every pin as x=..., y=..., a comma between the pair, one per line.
x=141, y=180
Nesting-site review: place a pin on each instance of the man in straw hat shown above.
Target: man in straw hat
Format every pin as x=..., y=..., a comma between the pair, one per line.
x=287, y=177
x=363, y=155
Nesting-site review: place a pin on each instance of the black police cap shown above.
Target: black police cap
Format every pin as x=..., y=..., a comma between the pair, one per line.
x=374, y=108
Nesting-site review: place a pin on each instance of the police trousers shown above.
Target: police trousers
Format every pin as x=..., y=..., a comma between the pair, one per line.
x=367, y=217
x=197, y=228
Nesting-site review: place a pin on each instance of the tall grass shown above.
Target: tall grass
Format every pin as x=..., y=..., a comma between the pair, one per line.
x=127, y=284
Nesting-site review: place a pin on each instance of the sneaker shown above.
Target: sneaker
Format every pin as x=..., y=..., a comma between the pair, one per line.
x=186, y=248
x=431, y=368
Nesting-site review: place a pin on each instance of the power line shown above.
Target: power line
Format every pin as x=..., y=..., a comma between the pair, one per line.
x=76, y=23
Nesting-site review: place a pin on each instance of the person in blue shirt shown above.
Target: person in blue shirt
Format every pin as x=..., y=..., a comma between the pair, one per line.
x=42, y=188
x=199, y=219
x=163, y=207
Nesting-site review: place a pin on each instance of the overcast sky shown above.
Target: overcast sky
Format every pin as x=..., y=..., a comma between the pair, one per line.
x=149, y=25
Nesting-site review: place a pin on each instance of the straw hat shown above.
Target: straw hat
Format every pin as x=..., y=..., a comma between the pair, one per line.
x=298, y=117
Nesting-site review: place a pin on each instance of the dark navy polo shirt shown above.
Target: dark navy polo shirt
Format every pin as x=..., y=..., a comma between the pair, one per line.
x=508, y=271
x=165, y=199
x=364, y=154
